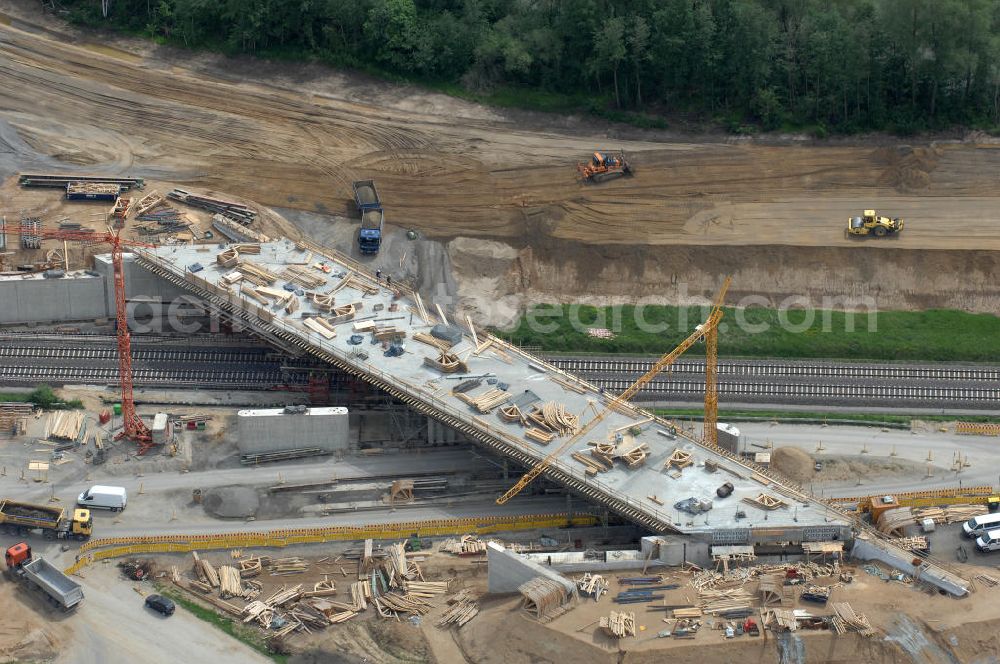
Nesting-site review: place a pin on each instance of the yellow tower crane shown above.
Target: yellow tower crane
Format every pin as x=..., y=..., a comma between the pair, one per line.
x=710, y=432
x=702, y=331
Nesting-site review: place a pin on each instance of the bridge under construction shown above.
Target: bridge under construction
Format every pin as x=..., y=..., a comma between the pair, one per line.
x=501, y=397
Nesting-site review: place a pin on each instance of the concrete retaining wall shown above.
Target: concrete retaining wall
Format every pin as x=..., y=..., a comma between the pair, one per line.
x=901, y=560
x=271, y=430
x=36, y=300
x=508, y=570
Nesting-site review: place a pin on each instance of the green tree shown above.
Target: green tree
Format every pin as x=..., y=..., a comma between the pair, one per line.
x=637, y=39
x=391, y=32
x=609, y=51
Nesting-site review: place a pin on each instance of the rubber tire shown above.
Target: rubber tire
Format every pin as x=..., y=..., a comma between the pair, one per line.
x=879, y=231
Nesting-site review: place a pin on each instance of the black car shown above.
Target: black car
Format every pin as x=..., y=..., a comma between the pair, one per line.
x=160, y=604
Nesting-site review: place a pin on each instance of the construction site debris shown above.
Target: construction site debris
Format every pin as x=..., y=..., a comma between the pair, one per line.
x=543, y=598
x=619, y=624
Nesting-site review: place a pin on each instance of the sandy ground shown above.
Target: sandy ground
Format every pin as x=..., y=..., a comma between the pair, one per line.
x=497, y=190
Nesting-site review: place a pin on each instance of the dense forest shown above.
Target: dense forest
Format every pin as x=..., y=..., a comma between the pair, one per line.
x=834, y=65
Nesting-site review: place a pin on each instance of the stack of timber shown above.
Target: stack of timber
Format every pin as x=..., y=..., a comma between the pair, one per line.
x=13, y=416
x=857, y=621
x=235, y=211
x=236, y=231
x=205, y=571
x=285, y=566
x=554, y=418
x=593, y=464
x=303, y=277
x=466, y=545
x=949, y=513
x=592, y=585
x=230, y=582
x=431, y=340
x=463, y=609
x=619, y=624
x=486, y=401
x=539, y=436
x=65, y=425
x=258, y=274
x=447, y=363
x=543, y=598
x=320, y=326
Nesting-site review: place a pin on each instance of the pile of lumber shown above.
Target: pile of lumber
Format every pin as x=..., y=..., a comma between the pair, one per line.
x=766, y=501
x=258, y=274
x=988, y=580
x=297, y=274
x=552, y=417
x=486, y=401
x=856, y=621
x=65, y=425
x=949, y=513
x=726, y=602
x=285, y=566
x=592, y=585
x=400, y=603
x=284, y=595
x=320, y=326
x=425, y=588
x=463, y=609
x=619, y=624
x=593, y=464
x=235, y=231
x=916, y=543
x=230, y=582
x=204, y=570
x=539, y=436
x=466, y=545
x=779, y=620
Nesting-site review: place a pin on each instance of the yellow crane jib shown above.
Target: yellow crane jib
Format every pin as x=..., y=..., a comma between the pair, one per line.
x=703, y=330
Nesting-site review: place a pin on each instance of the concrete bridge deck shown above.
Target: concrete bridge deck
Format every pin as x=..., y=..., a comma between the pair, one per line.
x=626, y=491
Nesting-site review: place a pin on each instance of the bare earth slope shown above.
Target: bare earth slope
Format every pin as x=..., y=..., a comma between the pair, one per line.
x=295, y=139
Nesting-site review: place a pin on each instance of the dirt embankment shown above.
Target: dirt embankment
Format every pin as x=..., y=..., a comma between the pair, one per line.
x=546, y=270
x=771, y=212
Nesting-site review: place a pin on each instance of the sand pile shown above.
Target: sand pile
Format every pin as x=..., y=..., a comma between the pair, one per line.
x=793, y=463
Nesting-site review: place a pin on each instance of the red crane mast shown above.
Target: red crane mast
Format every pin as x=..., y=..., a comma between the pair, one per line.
x=133, y=427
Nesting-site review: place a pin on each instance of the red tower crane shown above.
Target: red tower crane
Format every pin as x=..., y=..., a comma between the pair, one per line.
x=133, y=427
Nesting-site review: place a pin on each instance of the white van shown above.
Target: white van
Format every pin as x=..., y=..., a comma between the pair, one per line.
x=989, y=541
x=111, y=498
x=979, y=525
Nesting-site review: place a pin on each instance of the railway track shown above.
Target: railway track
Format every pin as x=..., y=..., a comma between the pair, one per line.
x=209, y=364
x=762, y=368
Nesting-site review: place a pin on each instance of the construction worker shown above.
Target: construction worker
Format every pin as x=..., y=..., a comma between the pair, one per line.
x=388, y=280
x=378, y=276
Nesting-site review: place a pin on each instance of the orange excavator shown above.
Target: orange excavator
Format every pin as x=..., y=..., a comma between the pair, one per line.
x=604, y=166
